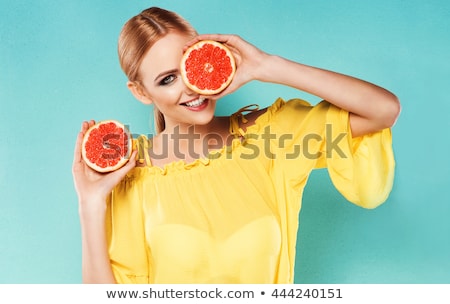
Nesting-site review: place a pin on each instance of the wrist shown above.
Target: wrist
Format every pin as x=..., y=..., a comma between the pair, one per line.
x=268, y=67
x=92, y=208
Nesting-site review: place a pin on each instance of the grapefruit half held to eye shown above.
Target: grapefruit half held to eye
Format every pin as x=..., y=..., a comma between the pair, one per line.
x=106, y=146
x=207, y=67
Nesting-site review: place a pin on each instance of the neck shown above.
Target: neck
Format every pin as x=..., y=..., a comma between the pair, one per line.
x=189, y=142
x=201, y=130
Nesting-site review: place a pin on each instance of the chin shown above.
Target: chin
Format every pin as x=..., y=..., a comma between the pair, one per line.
x=206, y=116
x=204, y=120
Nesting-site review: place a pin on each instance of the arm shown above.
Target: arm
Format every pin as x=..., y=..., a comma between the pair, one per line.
x=96, y=267
x=93, y=189
x=371, y=107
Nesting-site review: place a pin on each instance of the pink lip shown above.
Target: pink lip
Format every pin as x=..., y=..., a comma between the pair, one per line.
x=200, y=107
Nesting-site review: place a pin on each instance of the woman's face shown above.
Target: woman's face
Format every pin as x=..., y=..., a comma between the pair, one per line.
x=160, y=75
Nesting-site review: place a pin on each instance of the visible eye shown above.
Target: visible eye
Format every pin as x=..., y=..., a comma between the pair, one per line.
x=167, y=80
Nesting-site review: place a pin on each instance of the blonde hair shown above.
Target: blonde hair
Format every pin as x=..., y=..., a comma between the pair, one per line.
x=139, y=34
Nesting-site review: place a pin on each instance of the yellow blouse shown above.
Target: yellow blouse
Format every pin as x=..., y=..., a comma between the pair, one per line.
x=233, y=217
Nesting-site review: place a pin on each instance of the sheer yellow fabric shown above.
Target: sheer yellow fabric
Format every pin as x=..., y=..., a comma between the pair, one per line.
x=233, y=217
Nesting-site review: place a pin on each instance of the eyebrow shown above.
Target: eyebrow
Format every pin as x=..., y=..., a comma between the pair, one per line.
x=165, y=73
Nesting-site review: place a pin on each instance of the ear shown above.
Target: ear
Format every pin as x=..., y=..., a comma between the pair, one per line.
x=139, y=93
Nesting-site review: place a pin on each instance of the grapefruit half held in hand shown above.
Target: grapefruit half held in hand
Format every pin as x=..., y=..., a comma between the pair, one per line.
x=207, y=67
x=106, y=146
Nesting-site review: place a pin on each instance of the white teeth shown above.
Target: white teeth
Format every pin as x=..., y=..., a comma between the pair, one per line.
x=195, y=103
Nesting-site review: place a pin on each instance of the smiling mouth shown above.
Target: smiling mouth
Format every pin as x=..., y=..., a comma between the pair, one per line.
x=195, y=103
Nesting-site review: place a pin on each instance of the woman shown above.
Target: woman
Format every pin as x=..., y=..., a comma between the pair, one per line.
x=180, y=216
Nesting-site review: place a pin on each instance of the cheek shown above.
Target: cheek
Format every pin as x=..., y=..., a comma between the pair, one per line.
x=167, y=95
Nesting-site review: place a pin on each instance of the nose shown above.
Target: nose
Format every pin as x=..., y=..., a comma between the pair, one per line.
x=187, y=90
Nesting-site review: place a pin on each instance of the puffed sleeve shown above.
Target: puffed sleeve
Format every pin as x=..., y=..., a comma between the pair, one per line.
x=128, y=251
x=361, y=168
x=319, y=136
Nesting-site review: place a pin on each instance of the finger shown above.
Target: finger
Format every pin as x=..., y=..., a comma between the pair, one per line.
x=119, y=174
x=132, y=162
x=224, y=38
x=77, y=150
x=91, y=123
x=216, y=37
x=85, y=125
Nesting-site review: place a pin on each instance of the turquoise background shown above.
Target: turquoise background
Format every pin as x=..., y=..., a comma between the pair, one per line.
x=58, y=66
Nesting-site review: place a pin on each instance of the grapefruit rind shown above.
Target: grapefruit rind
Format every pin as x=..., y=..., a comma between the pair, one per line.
x=108, y=162
x=229, y=65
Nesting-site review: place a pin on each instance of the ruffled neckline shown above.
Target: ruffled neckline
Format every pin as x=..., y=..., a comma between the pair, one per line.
x=237, y=143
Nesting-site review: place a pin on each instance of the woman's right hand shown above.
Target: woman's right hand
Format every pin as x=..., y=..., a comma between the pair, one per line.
x=91, y=186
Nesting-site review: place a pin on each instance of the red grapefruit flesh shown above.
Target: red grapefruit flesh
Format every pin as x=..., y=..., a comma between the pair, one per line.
x=207, y=67
x=106, y=146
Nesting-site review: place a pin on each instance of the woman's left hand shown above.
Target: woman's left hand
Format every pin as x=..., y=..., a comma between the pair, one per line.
x=249, y=60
